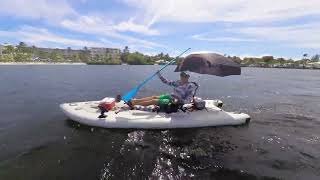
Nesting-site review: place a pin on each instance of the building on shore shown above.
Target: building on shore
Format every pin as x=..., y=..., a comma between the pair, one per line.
x=161, y=62
x=67, y=53
x=94, y=52
x=313, y=65
x=102, y=52
x=1, y=49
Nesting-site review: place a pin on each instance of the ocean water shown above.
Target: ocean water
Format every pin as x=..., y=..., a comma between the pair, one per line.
x=37, y=141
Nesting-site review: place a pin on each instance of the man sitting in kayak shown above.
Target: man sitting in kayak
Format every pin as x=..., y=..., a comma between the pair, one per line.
x=182, y=93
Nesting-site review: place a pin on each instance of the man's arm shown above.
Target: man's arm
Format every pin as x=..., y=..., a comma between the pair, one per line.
x=164, y=80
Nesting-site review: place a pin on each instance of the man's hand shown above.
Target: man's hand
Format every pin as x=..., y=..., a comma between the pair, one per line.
x=175, y=101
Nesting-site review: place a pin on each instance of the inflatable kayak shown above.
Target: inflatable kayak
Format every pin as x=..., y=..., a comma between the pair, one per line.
x=144, y=117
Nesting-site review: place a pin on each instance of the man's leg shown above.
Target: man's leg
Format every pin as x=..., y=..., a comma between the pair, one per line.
x=150, y=102
x=153, y=101
x=146, y=103
x=138, y=101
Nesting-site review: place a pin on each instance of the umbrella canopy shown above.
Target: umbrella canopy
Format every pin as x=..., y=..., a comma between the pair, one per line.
x=209, y=63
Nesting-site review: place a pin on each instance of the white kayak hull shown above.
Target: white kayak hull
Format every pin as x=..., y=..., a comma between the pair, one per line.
x=87, y=113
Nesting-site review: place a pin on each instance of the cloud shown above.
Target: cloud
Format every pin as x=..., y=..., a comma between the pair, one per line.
x=145, y=24
x=133, y=27
x=60, y=9
x=60, y=14
x=95, y=25
x=227, y=10
x=303, y=36
x=41, y=36
x=202, y=37
x=36, y=9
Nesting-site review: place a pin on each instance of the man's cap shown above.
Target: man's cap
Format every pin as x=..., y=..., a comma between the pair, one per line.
x=185, y=74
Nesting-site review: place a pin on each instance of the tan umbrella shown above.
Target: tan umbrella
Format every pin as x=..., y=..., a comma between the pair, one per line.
x=209, y=63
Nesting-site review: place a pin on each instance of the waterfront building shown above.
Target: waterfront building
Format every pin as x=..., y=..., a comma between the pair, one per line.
x=1, y=49
x=161, y=62
x=105, y=52
x=314, y=65
x=93, y=51
x=65, y=52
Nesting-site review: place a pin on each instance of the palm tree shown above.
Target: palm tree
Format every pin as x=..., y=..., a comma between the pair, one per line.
x=316, y=58
x=22, y=47
x=305, y=59
x=33, y=51
x=126, y=50
x=85, y=54
x=124, y=55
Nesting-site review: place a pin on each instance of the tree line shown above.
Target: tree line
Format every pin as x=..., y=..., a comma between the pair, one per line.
x=24, y=53
x=270, y=60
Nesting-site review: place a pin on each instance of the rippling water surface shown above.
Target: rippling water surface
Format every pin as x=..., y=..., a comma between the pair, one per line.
x=38, y=142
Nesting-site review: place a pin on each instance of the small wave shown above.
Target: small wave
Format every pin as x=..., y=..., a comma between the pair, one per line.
x=307, y=155
x=34, y=150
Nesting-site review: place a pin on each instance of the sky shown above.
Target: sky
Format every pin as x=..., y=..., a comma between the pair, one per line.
x=282, y=28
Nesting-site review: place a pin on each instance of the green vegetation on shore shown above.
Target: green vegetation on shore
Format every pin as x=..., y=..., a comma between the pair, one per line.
x=271, y=62
x=110, y=56
x=94, y=56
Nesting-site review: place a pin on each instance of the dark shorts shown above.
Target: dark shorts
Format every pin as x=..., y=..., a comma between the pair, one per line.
x=165, y=99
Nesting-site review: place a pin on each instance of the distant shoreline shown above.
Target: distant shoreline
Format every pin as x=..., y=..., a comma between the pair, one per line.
x=40, y=63
x=68, y=63
x=302, y=68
